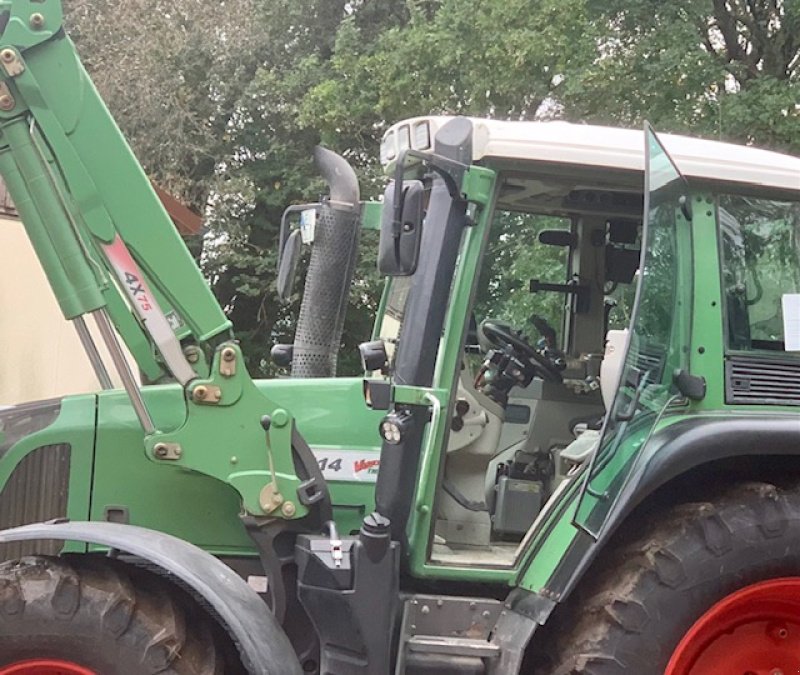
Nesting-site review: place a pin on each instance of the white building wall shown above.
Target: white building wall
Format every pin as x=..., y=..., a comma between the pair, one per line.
x=40, y=353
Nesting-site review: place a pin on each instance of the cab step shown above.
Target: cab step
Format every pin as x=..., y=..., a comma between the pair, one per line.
x=447, y=635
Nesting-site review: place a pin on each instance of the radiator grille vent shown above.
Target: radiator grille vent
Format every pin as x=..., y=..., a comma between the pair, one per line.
x=36, y=491
x=762, y=380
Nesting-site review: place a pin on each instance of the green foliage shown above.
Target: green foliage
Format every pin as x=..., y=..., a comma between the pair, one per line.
x=514, y=257
x=225, y=101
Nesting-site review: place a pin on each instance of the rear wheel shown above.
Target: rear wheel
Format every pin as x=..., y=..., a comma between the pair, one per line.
x=87, y=616
x=712, y=589
x=752, y=631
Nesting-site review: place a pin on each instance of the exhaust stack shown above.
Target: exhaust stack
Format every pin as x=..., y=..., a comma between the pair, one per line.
x=330, y=271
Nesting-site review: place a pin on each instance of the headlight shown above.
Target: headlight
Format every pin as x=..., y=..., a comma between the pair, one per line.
x=403, y=138
x=388, y=151
x=394, y=426
x=421, y=139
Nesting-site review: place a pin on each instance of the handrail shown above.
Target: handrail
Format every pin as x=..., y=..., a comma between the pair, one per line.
x=425, y=462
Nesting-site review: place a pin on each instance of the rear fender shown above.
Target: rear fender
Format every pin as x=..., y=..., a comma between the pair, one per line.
x=262, y=643
x=672, y=452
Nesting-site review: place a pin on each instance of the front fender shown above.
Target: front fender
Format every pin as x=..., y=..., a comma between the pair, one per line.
x=262, y=644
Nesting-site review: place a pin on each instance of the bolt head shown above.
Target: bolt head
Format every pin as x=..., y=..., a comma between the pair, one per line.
x=8, y=55
x=288, y=509
x=199, y=393
x=160, y=450
x=280, y=418
x=228, y=354
x=36, y=20
x=6, y=102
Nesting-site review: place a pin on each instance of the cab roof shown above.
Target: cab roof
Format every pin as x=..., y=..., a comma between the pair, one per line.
x=606, y=147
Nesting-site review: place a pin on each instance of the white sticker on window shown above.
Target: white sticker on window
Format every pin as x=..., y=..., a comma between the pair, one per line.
x=308, y=223
x=791, y=321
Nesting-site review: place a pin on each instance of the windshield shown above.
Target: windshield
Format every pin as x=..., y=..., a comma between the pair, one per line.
x=657, y=341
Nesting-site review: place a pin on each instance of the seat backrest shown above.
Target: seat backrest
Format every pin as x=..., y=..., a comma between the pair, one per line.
x=611, y=367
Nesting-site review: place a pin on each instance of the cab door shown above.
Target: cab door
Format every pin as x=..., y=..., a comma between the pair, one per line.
x=658, y=338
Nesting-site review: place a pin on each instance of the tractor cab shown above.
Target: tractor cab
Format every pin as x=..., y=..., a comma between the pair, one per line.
x=565, y=325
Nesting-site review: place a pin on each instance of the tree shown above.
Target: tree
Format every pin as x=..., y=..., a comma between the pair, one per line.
x=224, y=102
x=727, y=69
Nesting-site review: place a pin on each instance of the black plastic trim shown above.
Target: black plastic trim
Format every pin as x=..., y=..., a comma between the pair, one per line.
x=764, y=380
x=36, y=490
x=263, y=646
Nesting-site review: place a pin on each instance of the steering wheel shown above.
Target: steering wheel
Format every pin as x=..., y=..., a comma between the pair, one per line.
x=502, y=336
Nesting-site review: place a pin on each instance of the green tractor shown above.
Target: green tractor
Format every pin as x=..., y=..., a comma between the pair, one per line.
x=575, y=447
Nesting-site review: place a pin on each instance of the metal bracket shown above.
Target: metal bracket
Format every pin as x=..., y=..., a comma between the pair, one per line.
x=11, y=61
x=270, y=499
x=227, y=362
x=7, y=101
x=164, y=450
x=210, y=394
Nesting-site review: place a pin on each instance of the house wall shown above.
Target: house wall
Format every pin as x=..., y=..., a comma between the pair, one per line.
x=40, y=353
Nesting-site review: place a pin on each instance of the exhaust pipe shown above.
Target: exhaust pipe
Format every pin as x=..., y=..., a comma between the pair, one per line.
x=330, y=270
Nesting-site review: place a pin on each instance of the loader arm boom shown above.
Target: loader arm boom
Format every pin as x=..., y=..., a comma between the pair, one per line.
x=76, y=171
x=109, y=249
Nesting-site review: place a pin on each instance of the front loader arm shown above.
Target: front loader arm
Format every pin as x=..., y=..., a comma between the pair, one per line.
x=110, y=250
x=60, y=116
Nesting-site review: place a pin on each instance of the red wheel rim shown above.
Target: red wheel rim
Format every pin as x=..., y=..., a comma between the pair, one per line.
x=45, y=667
x=754, y=631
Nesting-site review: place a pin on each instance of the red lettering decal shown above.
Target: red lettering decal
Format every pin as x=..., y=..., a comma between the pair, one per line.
x=365, y=464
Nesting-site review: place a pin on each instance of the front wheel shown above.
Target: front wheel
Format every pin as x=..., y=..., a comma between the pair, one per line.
x=712, y=589
x=85, y=616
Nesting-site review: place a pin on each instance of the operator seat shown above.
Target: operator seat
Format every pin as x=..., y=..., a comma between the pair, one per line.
x=587, y=441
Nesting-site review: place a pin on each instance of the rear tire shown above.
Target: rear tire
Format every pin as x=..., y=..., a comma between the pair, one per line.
x=104, y=616
x=631, y=615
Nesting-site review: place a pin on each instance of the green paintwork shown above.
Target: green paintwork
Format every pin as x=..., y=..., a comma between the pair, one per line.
x=78, y=186
x=75, y=426
x=163, y=497
x=205, y=511
x=478, y=188
x=225, y=439
x=371, y=215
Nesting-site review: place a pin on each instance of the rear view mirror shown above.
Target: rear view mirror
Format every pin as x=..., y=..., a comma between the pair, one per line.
x=398, y=251
x=287, y=271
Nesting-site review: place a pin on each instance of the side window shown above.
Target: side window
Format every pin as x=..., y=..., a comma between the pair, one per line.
x=761, y=263
x=514, y=257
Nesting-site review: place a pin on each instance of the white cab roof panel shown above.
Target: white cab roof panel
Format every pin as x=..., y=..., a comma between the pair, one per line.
x=609, y=147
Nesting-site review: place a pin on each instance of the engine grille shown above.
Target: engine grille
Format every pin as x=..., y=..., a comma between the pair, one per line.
x=36, y=490
x=762, y=380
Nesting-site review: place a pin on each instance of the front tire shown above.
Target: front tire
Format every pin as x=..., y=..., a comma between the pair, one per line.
x=657, y=604
x=103, y=617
